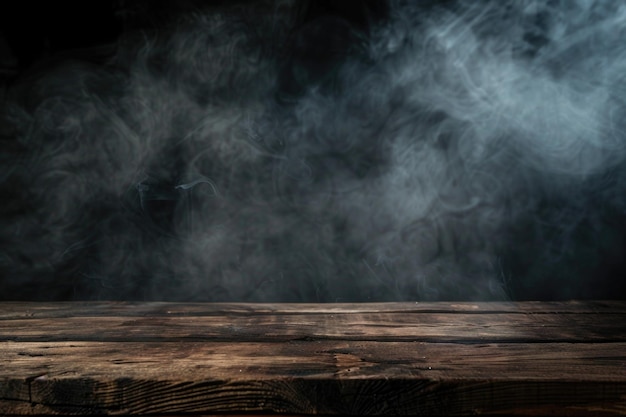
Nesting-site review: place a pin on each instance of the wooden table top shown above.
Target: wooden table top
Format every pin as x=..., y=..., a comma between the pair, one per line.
x=526, y=358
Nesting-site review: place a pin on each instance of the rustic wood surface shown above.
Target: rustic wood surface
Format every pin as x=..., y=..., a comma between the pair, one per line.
x=296, y=359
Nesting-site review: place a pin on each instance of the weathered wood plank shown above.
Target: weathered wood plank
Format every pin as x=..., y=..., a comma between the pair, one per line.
x=444, y=379
x=13, y=310
x=435, y=359
x=306, y=397
x=356, y=326
x=315, y=359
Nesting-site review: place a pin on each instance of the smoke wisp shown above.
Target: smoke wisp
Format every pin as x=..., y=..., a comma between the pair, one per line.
x=456, y=150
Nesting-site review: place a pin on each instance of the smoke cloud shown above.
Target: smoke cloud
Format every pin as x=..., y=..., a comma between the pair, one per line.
x=459, y=150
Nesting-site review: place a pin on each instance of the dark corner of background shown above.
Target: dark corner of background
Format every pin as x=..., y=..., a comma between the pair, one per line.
x=32, y=32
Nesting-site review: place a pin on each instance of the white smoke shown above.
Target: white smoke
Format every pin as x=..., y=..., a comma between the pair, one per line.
x=463, y=150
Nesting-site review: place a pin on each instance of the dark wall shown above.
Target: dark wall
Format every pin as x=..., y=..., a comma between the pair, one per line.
x=36, y=36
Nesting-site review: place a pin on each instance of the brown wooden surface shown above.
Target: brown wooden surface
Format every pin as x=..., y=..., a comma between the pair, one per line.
x=293, y=359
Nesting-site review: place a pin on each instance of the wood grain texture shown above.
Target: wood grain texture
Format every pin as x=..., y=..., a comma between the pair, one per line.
x=359, y=359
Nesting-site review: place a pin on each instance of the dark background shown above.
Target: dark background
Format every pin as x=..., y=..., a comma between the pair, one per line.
x=35, y=34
